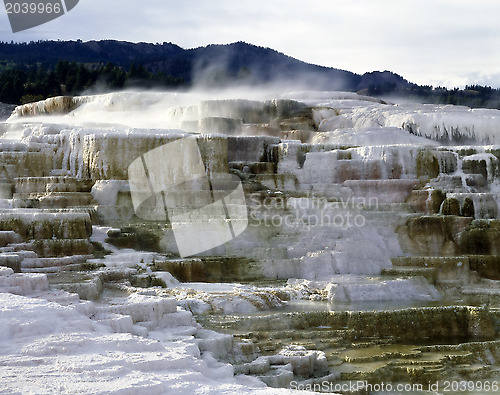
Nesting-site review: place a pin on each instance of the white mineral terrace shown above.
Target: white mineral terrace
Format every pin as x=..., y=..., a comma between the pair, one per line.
x=367, y=246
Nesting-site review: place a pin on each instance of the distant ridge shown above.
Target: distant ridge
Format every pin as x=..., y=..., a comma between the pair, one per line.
x=210, y=64
x=37, y=70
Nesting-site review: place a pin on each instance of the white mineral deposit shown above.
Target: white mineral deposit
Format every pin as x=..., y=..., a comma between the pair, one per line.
x=371, y=251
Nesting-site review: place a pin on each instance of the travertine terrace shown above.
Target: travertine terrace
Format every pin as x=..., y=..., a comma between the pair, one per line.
x=372, y=250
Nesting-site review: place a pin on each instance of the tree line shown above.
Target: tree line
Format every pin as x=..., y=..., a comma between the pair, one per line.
x=473, y=96
x=24, y=85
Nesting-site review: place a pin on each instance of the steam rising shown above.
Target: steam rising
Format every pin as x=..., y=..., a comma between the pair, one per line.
x=145, y=109
x=298, y=115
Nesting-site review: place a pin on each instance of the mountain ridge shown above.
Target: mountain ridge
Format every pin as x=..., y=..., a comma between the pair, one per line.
x=37, y=70
x=257, y=64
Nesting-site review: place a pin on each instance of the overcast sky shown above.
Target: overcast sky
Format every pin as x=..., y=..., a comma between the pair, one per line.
x=438, y=42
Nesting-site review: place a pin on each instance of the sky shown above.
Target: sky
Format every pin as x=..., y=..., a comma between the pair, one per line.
x=433, y=42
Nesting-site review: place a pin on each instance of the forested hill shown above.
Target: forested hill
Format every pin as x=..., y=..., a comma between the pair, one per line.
x=47, y=53
x=213, y=64
x=36, y=70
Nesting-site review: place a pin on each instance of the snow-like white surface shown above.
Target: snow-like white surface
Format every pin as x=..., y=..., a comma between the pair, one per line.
x=333, y=110
x=48, y=348
x=21, y=284
x=369, y=137
x=144, y=343
x=160, y=110
x=447, y=124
